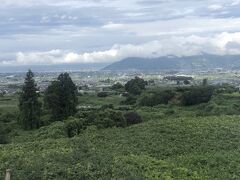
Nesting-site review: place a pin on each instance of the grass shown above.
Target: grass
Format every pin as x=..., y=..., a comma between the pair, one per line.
x=94, y=101
x=8, y=104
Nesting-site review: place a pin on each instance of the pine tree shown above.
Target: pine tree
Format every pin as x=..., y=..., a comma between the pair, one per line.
x=29, y=105
x=61, y=97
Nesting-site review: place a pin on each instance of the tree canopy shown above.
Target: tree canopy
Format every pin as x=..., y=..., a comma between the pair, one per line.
x=135, y=86
x=61, y=97
x=29, y=105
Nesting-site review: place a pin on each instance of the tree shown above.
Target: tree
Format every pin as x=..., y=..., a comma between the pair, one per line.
x=135, y=86
x=186, y=82
x=197, y=95
x=117, y=86
x=102, y=94
x=156, y=98
x=29, y=105
x=205, y=82
x=61, y=97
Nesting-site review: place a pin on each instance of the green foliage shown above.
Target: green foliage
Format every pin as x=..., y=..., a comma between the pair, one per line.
x=3, y=135
x=197, y=95
x=205, y=82
x=130, y=100
x=74, y=126
x=29, y=105
x=106, y=118
x=145, y=167
x=102, y=94
x=8, y=117
x=118, y=87
x=54, y=131
x=135, y=86
x=61, y=97
x=132, y=118
x=227, y=104
x=156, y=98
x=173, y=142
x=176, y=148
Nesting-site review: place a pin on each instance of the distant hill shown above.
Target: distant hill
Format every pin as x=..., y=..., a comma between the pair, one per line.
x=201, y=62
x=53, y=68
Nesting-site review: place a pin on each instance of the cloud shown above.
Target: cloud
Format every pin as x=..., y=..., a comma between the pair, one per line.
x=235, y=2
x=181, y=26
x=68, y=31
x=112, y=25
x=221, y=44
x=215, y=7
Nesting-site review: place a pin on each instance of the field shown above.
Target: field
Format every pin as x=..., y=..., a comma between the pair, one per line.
x=173, y=142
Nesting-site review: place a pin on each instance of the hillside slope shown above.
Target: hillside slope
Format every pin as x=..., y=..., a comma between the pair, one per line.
x=178, y=148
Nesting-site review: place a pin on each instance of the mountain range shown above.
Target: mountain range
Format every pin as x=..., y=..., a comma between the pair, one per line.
x=172, y=63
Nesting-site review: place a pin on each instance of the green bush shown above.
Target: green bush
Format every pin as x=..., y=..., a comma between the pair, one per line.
x=130, y=100
x=54, y=131
x=156, y=98
x=145, y=167
x=8, y=117
x=132, y=118
x=102, y=94
x=118, y=86
x=74, y=126
x=197, y=95
x=106, y=118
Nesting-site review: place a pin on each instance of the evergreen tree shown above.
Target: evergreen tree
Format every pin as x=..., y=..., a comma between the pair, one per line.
x=29, y=105
x=61, y=97
x=205, y=82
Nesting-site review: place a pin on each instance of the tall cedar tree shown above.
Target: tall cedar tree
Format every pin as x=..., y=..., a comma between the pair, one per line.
x=29, y=105
x=61, y=97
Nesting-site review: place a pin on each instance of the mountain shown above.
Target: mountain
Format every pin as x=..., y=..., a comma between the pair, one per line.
x=200, y=62
x=53, y=68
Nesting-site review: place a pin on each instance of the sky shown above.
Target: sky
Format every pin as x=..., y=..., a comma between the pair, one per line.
x=47, y=32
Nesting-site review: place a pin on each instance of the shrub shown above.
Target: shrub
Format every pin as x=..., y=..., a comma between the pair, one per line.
x=157, y=98
x=46, y=119
x=106, y=118
x=107, y=106
x=117, y=86
x=169, y=112
x=74, y=126
x=54, y=131
x=197, y=95
x=132, y=118
x=130, y=100
x=102, y=94
x=8, y=117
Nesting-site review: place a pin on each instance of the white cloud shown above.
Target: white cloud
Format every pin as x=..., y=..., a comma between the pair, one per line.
x=235, y=2
x=221, y=44
x=112, y=26
x=215, y=7
x=183, y=26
